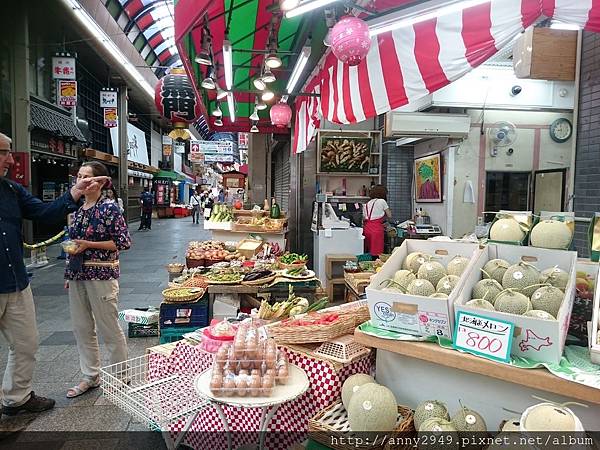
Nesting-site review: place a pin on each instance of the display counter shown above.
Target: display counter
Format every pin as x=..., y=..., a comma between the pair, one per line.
x=272, y=237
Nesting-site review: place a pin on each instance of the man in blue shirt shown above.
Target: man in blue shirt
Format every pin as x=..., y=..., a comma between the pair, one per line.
x=17, y=310
x=147, y=201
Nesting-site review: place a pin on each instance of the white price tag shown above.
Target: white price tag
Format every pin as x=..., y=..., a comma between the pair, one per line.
x=483, y=336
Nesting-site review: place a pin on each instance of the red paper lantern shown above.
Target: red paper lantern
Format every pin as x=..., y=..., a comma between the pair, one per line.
x=176, y=100
x=350, y=40
x=281, y=114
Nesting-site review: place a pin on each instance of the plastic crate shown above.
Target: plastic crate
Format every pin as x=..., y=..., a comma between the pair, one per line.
x=177, y=315
x=172, y=334
x=138, y=330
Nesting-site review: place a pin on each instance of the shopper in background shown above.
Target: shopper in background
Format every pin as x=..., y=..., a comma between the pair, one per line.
x=100, y=231
x=221, y=196
x=196, y=204
x=146, y=200
x=208, y=205
x=17, y=310
x=111, y=194
x=375, y=212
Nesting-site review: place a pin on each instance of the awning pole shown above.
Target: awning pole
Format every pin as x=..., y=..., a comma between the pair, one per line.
x=123, y=150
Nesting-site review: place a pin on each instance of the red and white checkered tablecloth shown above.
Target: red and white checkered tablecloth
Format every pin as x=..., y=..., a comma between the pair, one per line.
x=290, y=423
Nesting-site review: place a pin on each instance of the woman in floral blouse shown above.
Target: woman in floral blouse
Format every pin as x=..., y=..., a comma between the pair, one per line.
x=100, y=232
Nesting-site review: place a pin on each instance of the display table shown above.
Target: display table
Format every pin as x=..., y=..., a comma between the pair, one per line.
x=289, y=424
x=418, y=371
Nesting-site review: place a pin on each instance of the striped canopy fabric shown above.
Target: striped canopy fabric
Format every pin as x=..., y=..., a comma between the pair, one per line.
x=407, y=64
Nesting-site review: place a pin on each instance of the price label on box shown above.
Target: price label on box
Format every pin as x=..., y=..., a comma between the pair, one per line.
x=483, y=336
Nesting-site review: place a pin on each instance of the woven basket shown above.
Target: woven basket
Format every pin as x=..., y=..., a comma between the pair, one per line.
x=167, y=295
x=333, y=421
x=283, y=265
x=360, y=315
x=191, y=263
x=312, y=333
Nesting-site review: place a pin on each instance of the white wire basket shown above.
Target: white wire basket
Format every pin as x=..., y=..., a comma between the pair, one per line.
x=156, y=402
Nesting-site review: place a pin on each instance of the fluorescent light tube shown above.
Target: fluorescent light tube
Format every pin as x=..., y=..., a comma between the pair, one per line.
x=298, y=68
x=231, y=106
x=227, y=62
x=307, y=6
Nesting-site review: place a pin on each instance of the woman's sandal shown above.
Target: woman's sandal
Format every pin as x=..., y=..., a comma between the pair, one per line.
x=82, y=388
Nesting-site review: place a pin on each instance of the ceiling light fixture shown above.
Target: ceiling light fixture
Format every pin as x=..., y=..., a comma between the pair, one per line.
x=259, y=83
x=273, y=61
x=286, y=5
x=260, y=104
x=267, y=96
x=227, y=61
x=306, y=7
x=268, y=76
x=218, y=123
x=254, y=128
x=436, y=9
x=209, y=81
x=205, y=55
x=298, y=69
x=221, y=94
x=217, y=112
x=254, y=115
x=231, y=106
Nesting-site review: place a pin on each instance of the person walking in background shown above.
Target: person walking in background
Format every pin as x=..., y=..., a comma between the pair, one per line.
x=17, y=310
x=111, y=194
x=146, y=200
x=196, y=204
x=221, y=198
x=100, y=232
x=374, y=213
x=208, y=205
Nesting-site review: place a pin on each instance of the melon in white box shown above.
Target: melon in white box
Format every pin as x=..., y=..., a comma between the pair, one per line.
x=413, y=314
x=534, y=339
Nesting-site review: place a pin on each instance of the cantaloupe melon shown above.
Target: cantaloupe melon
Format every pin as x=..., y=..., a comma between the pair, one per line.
x=437, y=425
x=556, y=277
x=487, y=289
x=539, y=314
x=431, y=271
x=507, y=230
x=495, y=269
x=481, y=304
x=512, y=425
x=352, y=384
x=457, y=265
x=414, y=260
x=551, y=234
x=440, y=295
x=372, y=408
x=548, y=298
x=430, y=409
x=447, y=284
x=404, y=277
x=548, y=417
x=522, y=277
x=420, y=287
x=512, y=302
x=466, y=419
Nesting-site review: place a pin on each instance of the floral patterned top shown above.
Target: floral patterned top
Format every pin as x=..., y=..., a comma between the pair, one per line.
x=102, y=222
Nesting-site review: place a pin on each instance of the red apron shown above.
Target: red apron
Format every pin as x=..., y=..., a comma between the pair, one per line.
x=373, y=231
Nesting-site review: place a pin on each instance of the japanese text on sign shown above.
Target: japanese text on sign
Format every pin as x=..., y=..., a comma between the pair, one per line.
x=63, y=68
x=67, y=93
x=483, y=336
x=108, y=99
x=178, y=99
x=110, y=117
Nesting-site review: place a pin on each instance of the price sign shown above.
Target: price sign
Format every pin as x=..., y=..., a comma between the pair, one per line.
x=483, y=336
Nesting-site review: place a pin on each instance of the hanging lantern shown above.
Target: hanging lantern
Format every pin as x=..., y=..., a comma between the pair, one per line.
x=176, y=100
x=281, y=114
x=350, y=40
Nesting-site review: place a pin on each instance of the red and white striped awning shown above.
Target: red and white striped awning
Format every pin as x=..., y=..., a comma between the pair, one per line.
x=407, y=64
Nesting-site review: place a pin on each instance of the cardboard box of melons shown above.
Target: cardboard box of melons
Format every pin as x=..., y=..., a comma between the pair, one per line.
x=400, y=294
x=533, y=288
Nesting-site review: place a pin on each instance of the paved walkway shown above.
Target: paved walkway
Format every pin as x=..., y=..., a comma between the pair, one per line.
x=143, y=276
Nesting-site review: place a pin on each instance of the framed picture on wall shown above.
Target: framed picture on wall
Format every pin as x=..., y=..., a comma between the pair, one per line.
x=428, y=179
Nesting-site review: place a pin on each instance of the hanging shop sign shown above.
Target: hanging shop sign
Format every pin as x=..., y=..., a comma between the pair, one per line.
x=194, y=146
x=196, y=158
x=167, y=146
x=216, y=147
x=67, y=93
x=63, y=67
x=110, y=117
x=243, y=140
x=483, y=336
x=179, y=148
x=46, y=143
x=108, y=98
x=137, y=151
x=218, y=158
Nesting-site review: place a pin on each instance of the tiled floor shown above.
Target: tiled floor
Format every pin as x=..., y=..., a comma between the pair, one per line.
x=143, y=276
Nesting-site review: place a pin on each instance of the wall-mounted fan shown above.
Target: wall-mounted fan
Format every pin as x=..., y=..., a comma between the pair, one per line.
x=501, y=134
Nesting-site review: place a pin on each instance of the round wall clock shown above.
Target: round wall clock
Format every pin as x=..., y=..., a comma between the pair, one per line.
x=561, y=130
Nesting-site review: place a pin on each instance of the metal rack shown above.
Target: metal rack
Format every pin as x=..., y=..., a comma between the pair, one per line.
x=156, y=402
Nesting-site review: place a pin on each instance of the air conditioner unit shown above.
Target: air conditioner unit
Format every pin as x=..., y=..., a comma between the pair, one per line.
x=426, y=124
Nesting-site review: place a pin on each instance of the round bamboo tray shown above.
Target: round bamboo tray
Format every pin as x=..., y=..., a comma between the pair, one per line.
x=312, y=333
x=260, y=281
x=283, y=265
x=193, y=294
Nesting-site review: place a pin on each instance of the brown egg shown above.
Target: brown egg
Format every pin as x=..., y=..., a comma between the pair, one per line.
x=282, y=375
x=270, y=360
x=255, y=385
x=267, y=385
x=228, y=386
x=251, y=351
x=270, y=372
x=238, y=351
x=255, y=372
x=246, y=364
x=243, y=372
x=242, y=386
x=216, y=383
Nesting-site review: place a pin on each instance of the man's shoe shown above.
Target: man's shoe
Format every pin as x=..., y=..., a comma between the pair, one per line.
x=35, y=404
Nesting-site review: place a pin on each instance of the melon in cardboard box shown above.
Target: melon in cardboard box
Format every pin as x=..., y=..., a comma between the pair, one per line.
x=535, y=338
x=393, y=309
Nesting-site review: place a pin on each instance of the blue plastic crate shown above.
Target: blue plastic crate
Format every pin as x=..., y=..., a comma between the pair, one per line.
x=176, y=315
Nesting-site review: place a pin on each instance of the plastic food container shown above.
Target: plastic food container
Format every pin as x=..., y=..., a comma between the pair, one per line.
x=69, y=246
x=212, y=340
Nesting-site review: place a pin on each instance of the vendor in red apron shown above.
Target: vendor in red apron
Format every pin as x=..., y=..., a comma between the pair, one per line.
x=374, y=213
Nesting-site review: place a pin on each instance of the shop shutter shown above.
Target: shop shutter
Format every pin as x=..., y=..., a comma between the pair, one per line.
x=281, y=177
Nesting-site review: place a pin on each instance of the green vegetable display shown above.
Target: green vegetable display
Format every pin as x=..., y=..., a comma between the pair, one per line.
x=292, y=258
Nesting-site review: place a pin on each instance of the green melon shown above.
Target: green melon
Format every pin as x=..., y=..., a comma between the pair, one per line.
x=431, y=271
x=507, y=230
x=457, y=265
x=539, y=314
x=512, y=302
x=481, y=304
x=420, y=287
x=468, y=420
x=447, y=284
x=495, y=269
x=548, y=298
x=488, y=289
x=437, y=425
x=549, y=417
x=556, y=277
x=551, y=234
x=414, y=260
x=439, y=295
x=522, y=277
x=373, y=408
x=352, y=384
x=430, y=409
x=404, y=277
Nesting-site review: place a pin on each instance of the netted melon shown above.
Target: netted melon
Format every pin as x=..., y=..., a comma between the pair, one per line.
x=539, y=314
x=430, y=409
x=512, y=425
x=549, y=417
x=522, y=277
x=488, y=289
x=439, y=295
x=481, y=304
x=457, y=265
x=437, y=425
x=447, y=284
x=507, y=230
x=414, y=260
x=495, y=269
x=352, y=384
x=555, y=277
x=372, y=408
x=420, y=287
x=548, y=298
x=551, y=234
x=404, y=277
x=468, y=420
x=512, y=302
x=431, y=271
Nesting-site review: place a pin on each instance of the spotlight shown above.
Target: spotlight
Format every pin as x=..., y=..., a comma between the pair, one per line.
x=218, y=123
x=221, y=94
x=273, y=61
x=268, y=76
x=260, y=105
x=217, y=111
x=259, y=83
x=254, y=128
x=267, y=96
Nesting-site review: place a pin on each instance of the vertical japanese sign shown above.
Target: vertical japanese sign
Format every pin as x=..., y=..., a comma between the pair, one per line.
x=63, y=67
x=110, y=117
x=167, y=146
x=243, y=139
x=108, y=98
x=483, y=336
x=67, y=93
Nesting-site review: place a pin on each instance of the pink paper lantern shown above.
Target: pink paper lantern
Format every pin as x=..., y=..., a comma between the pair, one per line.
x=281, y=114
x=350, y=40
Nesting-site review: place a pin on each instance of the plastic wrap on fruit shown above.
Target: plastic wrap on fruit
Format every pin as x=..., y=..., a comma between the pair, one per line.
x=223, y=328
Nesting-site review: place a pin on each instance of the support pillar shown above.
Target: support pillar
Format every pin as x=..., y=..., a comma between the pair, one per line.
x=123, y=150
